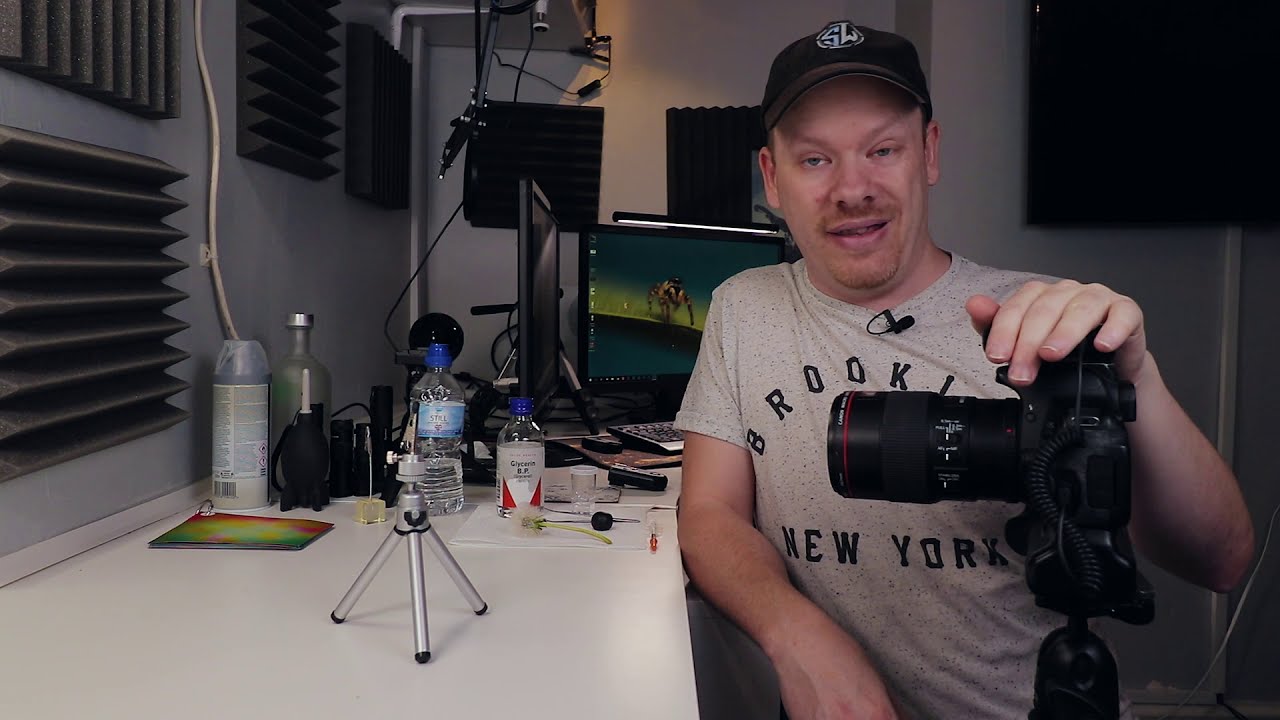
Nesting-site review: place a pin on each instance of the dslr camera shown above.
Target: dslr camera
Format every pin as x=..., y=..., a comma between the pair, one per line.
x=1061, y=449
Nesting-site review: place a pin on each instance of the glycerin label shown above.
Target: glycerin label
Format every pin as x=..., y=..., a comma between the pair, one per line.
x=520, y=475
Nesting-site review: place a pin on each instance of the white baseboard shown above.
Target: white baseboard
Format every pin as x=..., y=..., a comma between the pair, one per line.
x=35, y=558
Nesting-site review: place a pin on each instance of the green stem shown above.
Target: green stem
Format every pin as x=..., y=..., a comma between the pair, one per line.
x=602, y=538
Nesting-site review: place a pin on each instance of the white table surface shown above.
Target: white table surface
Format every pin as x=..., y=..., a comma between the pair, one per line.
x=126, y=631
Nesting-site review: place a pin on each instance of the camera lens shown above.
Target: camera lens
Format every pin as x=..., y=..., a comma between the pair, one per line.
x=923, y=447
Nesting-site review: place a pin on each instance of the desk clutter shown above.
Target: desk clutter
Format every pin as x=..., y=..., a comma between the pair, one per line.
x=487, y=528
x=633, y=457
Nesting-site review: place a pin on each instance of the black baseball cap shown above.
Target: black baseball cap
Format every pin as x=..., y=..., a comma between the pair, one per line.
x=842, y=48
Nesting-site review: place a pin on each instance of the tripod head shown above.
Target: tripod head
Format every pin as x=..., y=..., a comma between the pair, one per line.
x=1075, y=676
x=410, y=467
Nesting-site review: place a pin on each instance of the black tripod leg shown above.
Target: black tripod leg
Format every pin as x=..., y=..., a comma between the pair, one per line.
x=366, y=576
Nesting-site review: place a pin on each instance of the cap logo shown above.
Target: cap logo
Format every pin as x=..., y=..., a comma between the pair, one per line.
x=841, y=34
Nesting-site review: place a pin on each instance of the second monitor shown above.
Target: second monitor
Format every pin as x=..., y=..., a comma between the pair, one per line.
x=643, y=300
x=538, y=306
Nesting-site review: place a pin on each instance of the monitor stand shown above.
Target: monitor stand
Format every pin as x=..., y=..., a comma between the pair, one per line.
x=582, y=399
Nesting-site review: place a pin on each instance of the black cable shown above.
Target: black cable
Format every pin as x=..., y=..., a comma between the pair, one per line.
x=608, y=63
x=470, y=379
x=530, y=73
x=1062, y=555
x=345, y=408
x=493, y=347
x=479, y=45
x=498, y=7
x=1222, y=700
x=387, y=324
x=515, y=97
x=595, y=85
x=1040, y=499
x=400, y=429
x=582, y=92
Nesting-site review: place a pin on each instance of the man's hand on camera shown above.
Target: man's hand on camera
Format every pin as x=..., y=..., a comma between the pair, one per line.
x=824, y=675
x=1044, y=322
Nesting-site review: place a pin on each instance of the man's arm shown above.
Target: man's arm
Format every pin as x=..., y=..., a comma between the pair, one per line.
x=1188, y=514
x=822, y=672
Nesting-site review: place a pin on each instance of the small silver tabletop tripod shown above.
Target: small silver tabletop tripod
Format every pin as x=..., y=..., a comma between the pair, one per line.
x=413, y=521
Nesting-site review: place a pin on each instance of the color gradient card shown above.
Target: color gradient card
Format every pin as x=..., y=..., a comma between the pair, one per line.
x=245, y=532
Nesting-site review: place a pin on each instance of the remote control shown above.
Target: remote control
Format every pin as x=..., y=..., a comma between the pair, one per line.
x=620, y=474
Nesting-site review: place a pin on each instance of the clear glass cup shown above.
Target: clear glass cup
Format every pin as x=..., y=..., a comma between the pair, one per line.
x=582, y=489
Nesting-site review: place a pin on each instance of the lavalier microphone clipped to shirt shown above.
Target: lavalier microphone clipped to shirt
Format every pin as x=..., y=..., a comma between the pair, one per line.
x=892, y=324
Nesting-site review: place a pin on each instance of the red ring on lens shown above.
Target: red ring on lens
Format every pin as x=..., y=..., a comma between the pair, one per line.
x=848, y=408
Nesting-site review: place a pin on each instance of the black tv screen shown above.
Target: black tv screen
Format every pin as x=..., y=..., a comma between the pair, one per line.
x=1153, y=111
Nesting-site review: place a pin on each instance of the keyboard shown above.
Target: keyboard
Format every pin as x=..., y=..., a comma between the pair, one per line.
x=659, y=437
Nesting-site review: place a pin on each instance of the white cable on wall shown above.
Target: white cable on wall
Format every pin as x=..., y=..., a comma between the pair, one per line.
x=215, y=157
x=1228, y=370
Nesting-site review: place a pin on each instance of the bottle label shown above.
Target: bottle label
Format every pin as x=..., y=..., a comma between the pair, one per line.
x=440, y=420
x=240, y=445
x=520, y=476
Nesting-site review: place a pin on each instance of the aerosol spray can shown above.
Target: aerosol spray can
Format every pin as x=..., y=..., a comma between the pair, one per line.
x=241, y=398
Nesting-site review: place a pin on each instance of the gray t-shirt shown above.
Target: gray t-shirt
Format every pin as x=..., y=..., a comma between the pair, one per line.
x=932, y=592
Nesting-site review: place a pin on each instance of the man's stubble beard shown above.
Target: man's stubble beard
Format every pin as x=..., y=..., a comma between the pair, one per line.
x=868, y=272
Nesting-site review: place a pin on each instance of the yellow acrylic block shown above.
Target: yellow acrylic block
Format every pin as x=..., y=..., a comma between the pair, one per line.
x=371, y=510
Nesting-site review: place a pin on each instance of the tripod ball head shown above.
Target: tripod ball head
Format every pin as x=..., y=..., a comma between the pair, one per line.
x=410, y=468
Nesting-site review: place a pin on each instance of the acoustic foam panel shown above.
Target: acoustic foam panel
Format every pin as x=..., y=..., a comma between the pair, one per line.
x=82, y=299
x=559, y=146
x=710, y=152
x=282, y=66
x=377, y=146
x=125, y=53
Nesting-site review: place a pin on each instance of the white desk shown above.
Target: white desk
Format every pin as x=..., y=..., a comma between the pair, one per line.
x=124, y=631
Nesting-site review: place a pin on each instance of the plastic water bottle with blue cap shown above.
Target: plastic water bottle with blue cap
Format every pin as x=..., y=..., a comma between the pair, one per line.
x=438, y=409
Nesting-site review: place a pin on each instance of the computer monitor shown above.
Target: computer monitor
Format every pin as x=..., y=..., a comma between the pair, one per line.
x=643, y=299
x=538, y=300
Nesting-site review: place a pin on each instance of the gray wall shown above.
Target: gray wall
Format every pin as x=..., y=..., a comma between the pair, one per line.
x=287, y=245
x=1254, y=653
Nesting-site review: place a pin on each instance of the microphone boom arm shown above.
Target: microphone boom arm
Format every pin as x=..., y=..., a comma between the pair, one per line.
x=468, y=123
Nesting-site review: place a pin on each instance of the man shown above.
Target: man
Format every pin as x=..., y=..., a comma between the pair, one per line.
x=873, y=609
